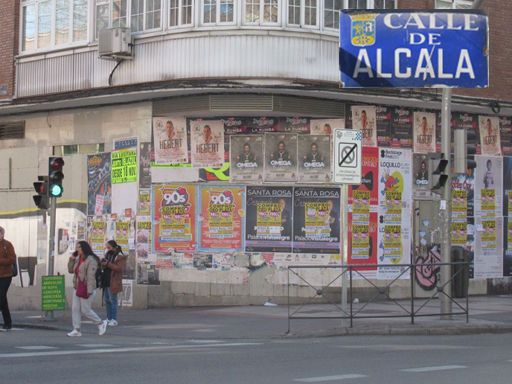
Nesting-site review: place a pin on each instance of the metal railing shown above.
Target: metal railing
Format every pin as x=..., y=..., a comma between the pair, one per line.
x=319, y=306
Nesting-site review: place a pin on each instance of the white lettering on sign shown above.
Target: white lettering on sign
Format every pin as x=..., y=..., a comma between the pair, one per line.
x=423, y=69
x=431, y=21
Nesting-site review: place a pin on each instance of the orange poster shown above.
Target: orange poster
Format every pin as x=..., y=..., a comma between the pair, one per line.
x=222, y=218
x=174, y=217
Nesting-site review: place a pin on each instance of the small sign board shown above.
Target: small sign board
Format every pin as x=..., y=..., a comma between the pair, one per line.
x=53, y=293
x=347, y=156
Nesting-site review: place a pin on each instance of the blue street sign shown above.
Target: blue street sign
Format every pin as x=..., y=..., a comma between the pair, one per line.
x=414, y=49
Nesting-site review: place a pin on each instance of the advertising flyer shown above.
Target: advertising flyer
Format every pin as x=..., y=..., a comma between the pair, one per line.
x=97, y=233
x=222, y=218
x=488, y=217
x=207, y=143
x=124, y=166
x=314, y=159
x=507, y=213
x=295, y=124
x=424, y=132
x=173, y=217
x=143, y=237
x=420, y=169
x=364, y=118
x=402, y=128
x=362, y=216
x=145, y=165
x=395, y=210
x=316, y=225
x=269, y=219
x=506, y=135
x=170, y=140
x=490, y=142
x=280, y=157
x=99, y=187
x=122, y=233
x=144, y=208
x=325, y=126
x=246, y=158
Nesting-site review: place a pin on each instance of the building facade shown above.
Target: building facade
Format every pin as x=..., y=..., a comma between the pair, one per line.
x=261, y=77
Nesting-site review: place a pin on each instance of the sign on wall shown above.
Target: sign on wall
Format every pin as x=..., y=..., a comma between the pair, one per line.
x=347, y=156
x=413, y=49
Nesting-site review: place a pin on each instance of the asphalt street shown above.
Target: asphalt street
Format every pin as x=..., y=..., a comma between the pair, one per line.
x=48, y=356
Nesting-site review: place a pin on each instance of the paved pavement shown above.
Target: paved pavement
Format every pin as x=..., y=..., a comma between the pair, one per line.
x=487, y=314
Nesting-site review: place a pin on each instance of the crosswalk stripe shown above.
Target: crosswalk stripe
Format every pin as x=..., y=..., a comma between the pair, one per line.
x=36, y=347
x=95, y=345
x=322, y=379
x=431, y=369
x=120, y=350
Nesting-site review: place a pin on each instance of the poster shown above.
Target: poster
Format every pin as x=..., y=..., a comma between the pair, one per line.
x=144, y=208
x=122, y=233
x=402, y=128
x=363, y=200
x=424, y=132
x=143, y=237
x=489, y=127
x=145, y=165
x=222, y=218
x=316, y=225
x=147, y=272
x=295, y=124
x=269, y=219
x=488, y=217
x=314, y=158
x=99, y=188
x=97, y=234
x=506, y=135
x=170, y=140
x=207, y=143
x=364, y=118
x=421, y=165
x=173, y=217
x=280, y=157
x=395, y=210
x=325, y=126
x=246, y=158
x=124, y=166
x=507, y=213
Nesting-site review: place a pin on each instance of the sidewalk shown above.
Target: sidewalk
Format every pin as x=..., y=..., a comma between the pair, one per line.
x=487, y=314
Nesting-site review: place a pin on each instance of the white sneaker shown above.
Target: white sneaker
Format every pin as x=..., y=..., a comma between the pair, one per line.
x=75, y=333
x=102, y=327
x=112, y=323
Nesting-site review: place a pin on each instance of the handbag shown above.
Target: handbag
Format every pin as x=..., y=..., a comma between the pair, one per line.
x=15, y=270
x=81, y=289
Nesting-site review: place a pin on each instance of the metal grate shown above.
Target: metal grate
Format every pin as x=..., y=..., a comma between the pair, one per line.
x=309, y=106
x=12, y=130
x=227, y=103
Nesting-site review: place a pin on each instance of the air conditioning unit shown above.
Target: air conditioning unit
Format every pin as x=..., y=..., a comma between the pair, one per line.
x=115, y=43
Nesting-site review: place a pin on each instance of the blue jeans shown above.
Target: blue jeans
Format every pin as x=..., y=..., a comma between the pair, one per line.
x=111, y=303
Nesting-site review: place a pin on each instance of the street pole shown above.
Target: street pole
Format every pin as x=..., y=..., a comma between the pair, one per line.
x=445, y=211
x=344, y=249
x=51, y=245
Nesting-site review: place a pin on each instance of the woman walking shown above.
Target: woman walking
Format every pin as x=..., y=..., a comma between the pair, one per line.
x=83, y=264
x=7, y=260
x=112, y=283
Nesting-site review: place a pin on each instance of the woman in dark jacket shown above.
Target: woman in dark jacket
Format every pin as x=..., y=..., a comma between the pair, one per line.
x=112, y=283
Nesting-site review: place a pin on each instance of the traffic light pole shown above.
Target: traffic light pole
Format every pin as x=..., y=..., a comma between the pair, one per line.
x=51, y=245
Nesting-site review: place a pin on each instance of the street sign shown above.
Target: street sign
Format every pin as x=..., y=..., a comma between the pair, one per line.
x=53, y=293
x=414, y=49
x=347, y=156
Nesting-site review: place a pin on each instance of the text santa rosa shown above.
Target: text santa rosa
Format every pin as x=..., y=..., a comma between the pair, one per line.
x=413, y=49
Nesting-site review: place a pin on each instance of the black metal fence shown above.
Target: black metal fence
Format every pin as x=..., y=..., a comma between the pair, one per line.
x=325, y=301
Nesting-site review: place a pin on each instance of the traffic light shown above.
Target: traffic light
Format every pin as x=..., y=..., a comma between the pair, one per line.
x=438, y=177
x=55, y=176
x=41, y=188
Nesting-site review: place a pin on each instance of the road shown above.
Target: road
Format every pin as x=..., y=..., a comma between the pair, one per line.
x=45, y=356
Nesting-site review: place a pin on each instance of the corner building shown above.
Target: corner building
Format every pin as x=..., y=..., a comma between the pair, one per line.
x=202, y=225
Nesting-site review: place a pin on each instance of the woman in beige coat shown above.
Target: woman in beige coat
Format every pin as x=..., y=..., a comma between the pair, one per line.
x=83, y=264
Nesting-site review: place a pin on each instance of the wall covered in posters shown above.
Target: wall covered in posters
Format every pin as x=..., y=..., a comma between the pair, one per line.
x=507, y=216
x=222, y=218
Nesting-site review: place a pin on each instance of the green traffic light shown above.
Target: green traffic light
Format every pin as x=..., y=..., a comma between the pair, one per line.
x=56, y=190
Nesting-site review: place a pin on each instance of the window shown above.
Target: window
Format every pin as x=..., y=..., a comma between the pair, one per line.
x=370, y=4
x=52, y=23
x=455, y=4
x=138, y=15
x=303, y=13
x=180, y=13
x=332, y=13
x=218, y=11
x=261, y=12
x=73, y=149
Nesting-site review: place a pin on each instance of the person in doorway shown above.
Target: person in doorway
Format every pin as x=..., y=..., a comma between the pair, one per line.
x=83, y=264
x=7, y=260
x=112, y=265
